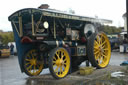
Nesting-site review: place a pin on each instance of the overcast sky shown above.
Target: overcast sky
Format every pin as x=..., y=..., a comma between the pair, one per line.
x=106, y=9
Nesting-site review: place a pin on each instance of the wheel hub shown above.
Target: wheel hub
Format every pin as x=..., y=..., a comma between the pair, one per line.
x=33, y=61
x=59, y=62
x=101, y=50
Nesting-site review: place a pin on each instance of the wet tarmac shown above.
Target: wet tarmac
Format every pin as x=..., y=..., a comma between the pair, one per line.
x=117, y=58
x=10, y=73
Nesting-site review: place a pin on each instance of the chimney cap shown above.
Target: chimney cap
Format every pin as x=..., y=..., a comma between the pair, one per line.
x=44, y=6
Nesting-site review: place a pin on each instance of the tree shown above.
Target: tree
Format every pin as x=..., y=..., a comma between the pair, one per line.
x=111, y=29
x=6, y=37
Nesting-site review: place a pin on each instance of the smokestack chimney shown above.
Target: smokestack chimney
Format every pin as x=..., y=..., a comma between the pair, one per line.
x=44, y=6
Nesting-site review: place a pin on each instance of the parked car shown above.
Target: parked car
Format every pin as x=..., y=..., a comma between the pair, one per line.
x=4, y=51
x=114, y=41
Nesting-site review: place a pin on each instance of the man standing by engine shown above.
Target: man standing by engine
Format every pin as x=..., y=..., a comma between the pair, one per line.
x=12, y=49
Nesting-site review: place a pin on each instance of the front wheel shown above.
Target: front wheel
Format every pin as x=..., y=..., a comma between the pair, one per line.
x=32, y=63
x=99, y=50
x=59, y=62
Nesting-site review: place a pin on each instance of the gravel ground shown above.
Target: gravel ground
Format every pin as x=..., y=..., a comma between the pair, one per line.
x=77, y=79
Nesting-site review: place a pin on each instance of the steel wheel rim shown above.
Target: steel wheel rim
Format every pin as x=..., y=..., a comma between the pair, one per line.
x=102, y=50
x=32, y=65
x=61, y=63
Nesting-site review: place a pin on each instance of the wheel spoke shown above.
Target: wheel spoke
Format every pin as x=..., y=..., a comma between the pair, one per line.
x=101, y=39
x=96, y=42
x=103, y=42
x=54, y=61
x=57, y=56
x=98, y=39
x=33, y=57
x=63, y=66
x=97, y=56
x=29, y=67
x=64, y=60
x=27, y=59
x=27, y=64
x=54, y=58
x=62, y=55
x=38, y=66
x=104, y=46
x=61, y=70
x=54, y=66
x=96, y=51
x=96, y=47
x=28, y=56
x=106, y=49
x=100, y=59
x=31, y=53
x=104, y=55
x=56, y=70
x=34, y=68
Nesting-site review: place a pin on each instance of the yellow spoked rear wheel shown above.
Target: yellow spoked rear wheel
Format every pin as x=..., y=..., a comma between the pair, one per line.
x=100, y=50
x=59, y=63
x=33, y=65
